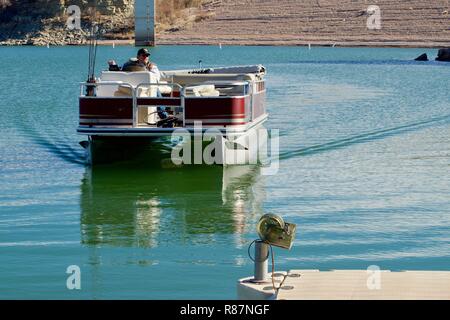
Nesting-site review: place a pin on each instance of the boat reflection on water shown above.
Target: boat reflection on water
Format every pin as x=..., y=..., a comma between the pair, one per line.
x=147, y=206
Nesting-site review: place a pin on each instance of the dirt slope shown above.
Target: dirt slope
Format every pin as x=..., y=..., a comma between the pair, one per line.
x=318, y=22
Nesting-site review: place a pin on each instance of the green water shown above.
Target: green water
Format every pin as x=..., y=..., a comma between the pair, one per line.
x=364, y=173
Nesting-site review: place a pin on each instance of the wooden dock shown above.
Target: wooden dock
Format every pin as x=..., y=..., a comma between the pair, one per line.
x=350, y=285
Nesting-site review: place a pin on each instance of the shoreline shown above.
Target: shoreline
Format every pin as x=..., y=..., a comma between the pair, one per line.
x=282, y=43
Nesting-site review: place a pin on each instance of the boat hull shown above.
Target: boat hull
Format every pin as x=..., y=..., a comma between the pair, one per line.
x=196, y=148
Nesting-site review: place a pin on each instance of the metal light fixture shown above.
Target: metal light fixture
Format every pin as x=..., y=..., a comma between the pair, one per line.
x=272, y=231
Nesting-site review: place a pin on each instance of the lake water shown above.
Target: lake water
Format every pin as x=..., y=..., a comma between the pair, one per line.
x=364, y=173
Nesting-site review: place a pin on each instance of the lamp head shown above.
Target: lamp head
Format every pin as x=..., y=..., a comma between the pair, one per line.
x=273, y=230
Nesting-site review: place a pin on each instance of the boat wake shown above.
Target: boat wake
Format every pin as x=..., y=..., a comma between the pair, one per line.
x=362, y=138
x=58, y=148
x=68, y=153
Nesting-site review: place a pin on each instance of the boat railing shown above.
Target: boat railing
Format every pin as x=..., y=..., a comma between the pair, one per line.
x=174, y=95
x=157, y=99
x=226, y=88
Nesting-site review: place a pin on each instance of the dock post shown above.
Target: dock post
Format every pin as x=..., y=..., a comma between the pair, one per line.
x=261, y=261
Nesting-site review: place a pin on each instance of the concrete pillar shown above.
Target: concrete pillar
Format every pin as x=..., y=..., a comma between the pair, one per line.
x=144, y=13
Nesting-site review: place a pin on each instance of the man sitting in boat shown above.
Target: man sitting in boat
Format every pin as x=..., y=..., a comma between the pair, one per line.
x=142, y=63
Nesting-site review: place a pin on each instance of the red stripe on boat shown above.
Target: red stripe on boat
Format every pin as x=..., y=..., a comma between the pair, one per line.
x=206, y=108
x=174, y=94
x=107, y=107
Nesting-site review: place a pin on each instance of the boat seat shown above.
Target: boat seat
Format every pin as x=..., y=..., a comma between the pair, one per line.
x=202, y=91
x=195, y=79
x=125, y=91
x=164, y=89
x=132, y=78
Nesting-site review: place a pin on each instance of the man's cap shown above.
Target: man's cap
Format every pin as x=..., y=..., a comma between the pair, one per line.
x=143, y=51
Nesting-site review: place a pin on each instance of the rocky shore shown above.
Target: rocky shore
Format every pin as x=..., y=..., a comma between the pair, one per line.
x=55, y=33
x=44, y=22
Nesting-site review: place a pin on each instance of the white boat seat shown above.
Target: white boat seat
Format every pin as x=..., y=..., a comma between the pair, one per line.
x=125, y=91
x=165, y=89
x=132, y=78
x=203, y=91
x=191, y=79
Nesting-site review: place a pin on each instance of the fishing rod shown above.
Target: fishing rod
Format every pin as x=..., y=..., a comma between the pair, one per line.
x=92, y=53
x=90, y=89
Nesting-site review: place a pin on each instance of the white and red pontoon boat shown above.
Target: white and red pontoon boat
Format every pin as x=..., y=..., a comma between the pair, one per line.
x=123, y=108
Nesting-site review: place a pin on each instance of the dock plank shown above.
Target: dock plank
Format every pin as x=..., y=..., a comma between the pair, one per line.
x=355, y=285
